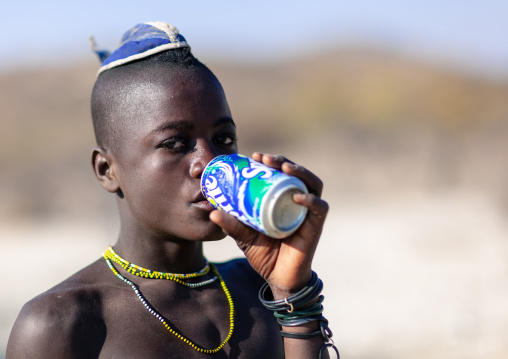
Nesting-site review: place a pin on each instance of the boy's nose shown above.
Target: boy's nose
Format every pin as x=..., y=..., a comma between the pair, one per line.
x=202, y=156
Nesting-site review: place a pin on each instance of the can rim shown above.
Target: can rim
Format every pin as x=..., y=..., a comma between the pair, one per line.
x=267, y=209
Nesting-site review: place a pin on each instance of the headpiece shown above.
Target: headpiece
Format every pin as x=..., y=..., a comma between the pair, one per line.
x=139, y=42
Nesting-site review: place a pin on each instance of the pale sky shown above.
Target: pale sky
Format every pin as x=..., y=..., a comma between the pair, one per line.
x=470, y=32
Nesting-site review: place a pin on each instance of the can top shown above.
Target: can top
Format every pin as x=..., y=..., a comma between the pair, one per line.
x=281, y=215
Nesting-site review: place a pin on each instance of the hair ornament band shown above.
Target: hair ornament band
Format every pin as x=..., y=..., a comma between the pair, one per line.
x=140, y=41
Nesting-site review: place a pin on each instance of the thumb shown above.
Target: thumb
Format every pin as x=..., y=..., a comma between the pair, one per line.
x=233, y=227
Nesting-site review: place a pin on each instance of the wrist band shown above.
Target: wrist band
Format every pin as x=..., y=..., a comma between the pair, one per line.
x=288, y=318
x=297, y=322
x=300, y=335
x=326, y=346
x=306, y=295
x=301, y=308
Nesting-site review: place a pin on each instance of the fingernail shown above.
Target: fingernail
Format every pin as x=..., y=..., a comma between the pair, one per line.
x=296, y=196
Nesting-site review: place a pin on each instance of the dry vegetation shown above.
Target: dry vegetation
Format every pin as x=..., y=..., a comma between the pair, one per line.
x=371, y=121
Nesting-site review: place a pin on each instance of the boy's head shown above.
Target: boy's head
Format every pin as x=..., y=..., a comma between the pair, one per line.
x=143, y=50
x=113, y=90
x=158, y=121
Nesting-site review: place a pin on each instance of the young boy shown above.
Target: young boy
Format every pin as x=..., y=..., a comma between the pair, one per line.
x=159, y=117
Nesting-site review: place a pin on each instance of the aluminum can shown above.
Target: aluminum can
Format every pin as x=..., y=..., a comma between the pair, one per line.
x=257, y=195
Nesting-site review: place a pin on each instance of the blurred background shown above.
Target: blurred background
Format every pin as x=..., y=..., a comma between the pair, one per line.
x=401, y=107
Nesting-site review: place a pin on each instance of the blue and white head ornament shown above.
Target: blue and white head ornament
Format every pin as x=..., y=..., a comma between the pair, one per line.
x=139, y=42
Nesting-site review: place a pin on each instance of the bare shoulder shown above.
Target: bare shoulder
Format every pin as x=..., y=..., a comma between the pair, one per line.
x=63, y=322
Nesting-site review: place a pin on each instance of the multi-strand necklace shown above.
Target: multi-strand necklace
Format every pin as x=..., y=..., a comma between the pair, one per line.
x=110, y=256
x=147, y=273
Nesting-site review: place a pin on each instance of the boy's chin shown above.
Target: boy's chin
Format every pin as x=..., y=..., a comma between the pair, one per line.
x=210, y=233
x=215, y=235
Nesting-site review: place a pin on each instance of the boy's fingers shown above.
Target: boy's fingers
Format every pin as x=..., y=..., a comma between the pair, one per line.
x=274, y=161
x=313, y=183
x=232, y=227
x=318, y=208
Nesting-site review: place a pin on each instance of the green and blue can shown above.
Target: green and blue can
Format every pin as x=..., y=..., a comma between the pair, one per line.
x=257, y=195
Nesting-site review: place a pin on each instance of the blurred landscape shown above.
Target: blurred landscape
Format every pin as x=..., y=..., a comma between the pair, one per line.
x=414, y=253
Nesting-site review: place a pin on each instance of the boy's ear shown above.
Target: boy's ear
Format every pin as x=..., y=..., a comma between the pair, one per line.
x=102, y=163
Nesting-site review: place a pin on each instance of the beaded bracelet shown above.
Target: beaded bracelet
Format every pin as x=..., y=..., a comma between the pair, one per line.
x=300, y=308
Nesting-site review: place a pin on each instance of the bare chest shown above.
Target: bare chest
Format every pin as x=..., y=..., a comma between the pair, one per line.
x=196, y=322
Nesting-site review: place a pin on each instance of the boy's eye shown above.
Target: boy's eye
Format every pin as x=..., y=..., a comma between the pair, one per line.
x=226, y=140
x=174, y=144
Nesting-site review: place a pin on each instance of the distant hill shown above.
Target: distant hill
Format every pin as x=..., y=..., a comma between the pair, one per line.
x=364, y=118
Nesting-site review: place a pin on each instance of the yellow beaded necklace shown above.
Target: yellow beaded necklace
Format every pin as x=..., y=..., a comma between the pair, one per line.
x=147, y=273
x=110, y=253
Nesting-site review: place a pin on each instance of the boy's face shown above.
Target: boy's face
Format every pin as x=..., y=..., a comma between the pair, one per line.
x=173, y=125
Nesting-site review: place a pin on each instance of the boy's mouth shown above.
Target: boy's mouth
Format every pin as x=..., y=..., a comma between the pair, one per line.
x=201, y=202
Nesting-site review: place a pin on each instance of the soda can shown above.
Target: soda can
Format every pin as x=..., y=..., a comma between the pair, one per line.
x=257, y=195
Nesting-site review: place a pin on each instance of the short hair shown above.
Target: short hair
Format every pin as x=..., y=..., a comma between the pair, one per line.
x=107, y=92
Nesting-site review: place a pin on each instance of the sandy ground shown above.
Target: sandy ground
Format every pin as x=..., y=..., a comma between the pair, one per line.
x=405, y=277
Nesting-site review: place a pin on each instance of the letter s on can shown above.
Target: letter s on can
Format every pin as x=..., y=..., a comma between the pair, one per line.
x=255, y=169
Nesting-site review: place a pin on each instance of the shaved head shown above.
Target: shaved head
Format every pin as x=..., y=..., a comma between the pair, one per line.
x=116, y=94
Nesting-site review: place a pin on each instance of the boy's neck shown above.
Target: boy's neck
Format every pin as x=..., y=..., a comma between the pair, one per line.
x=174, y=256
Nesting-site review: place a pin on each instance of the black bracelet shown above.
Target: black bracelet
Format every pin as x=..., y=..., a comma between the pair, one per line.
x=303, y=297
x=329, y=345
x=300, y=335
x=297, y=317
x=286, y=315
x=300, y=321
x=315, y=308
